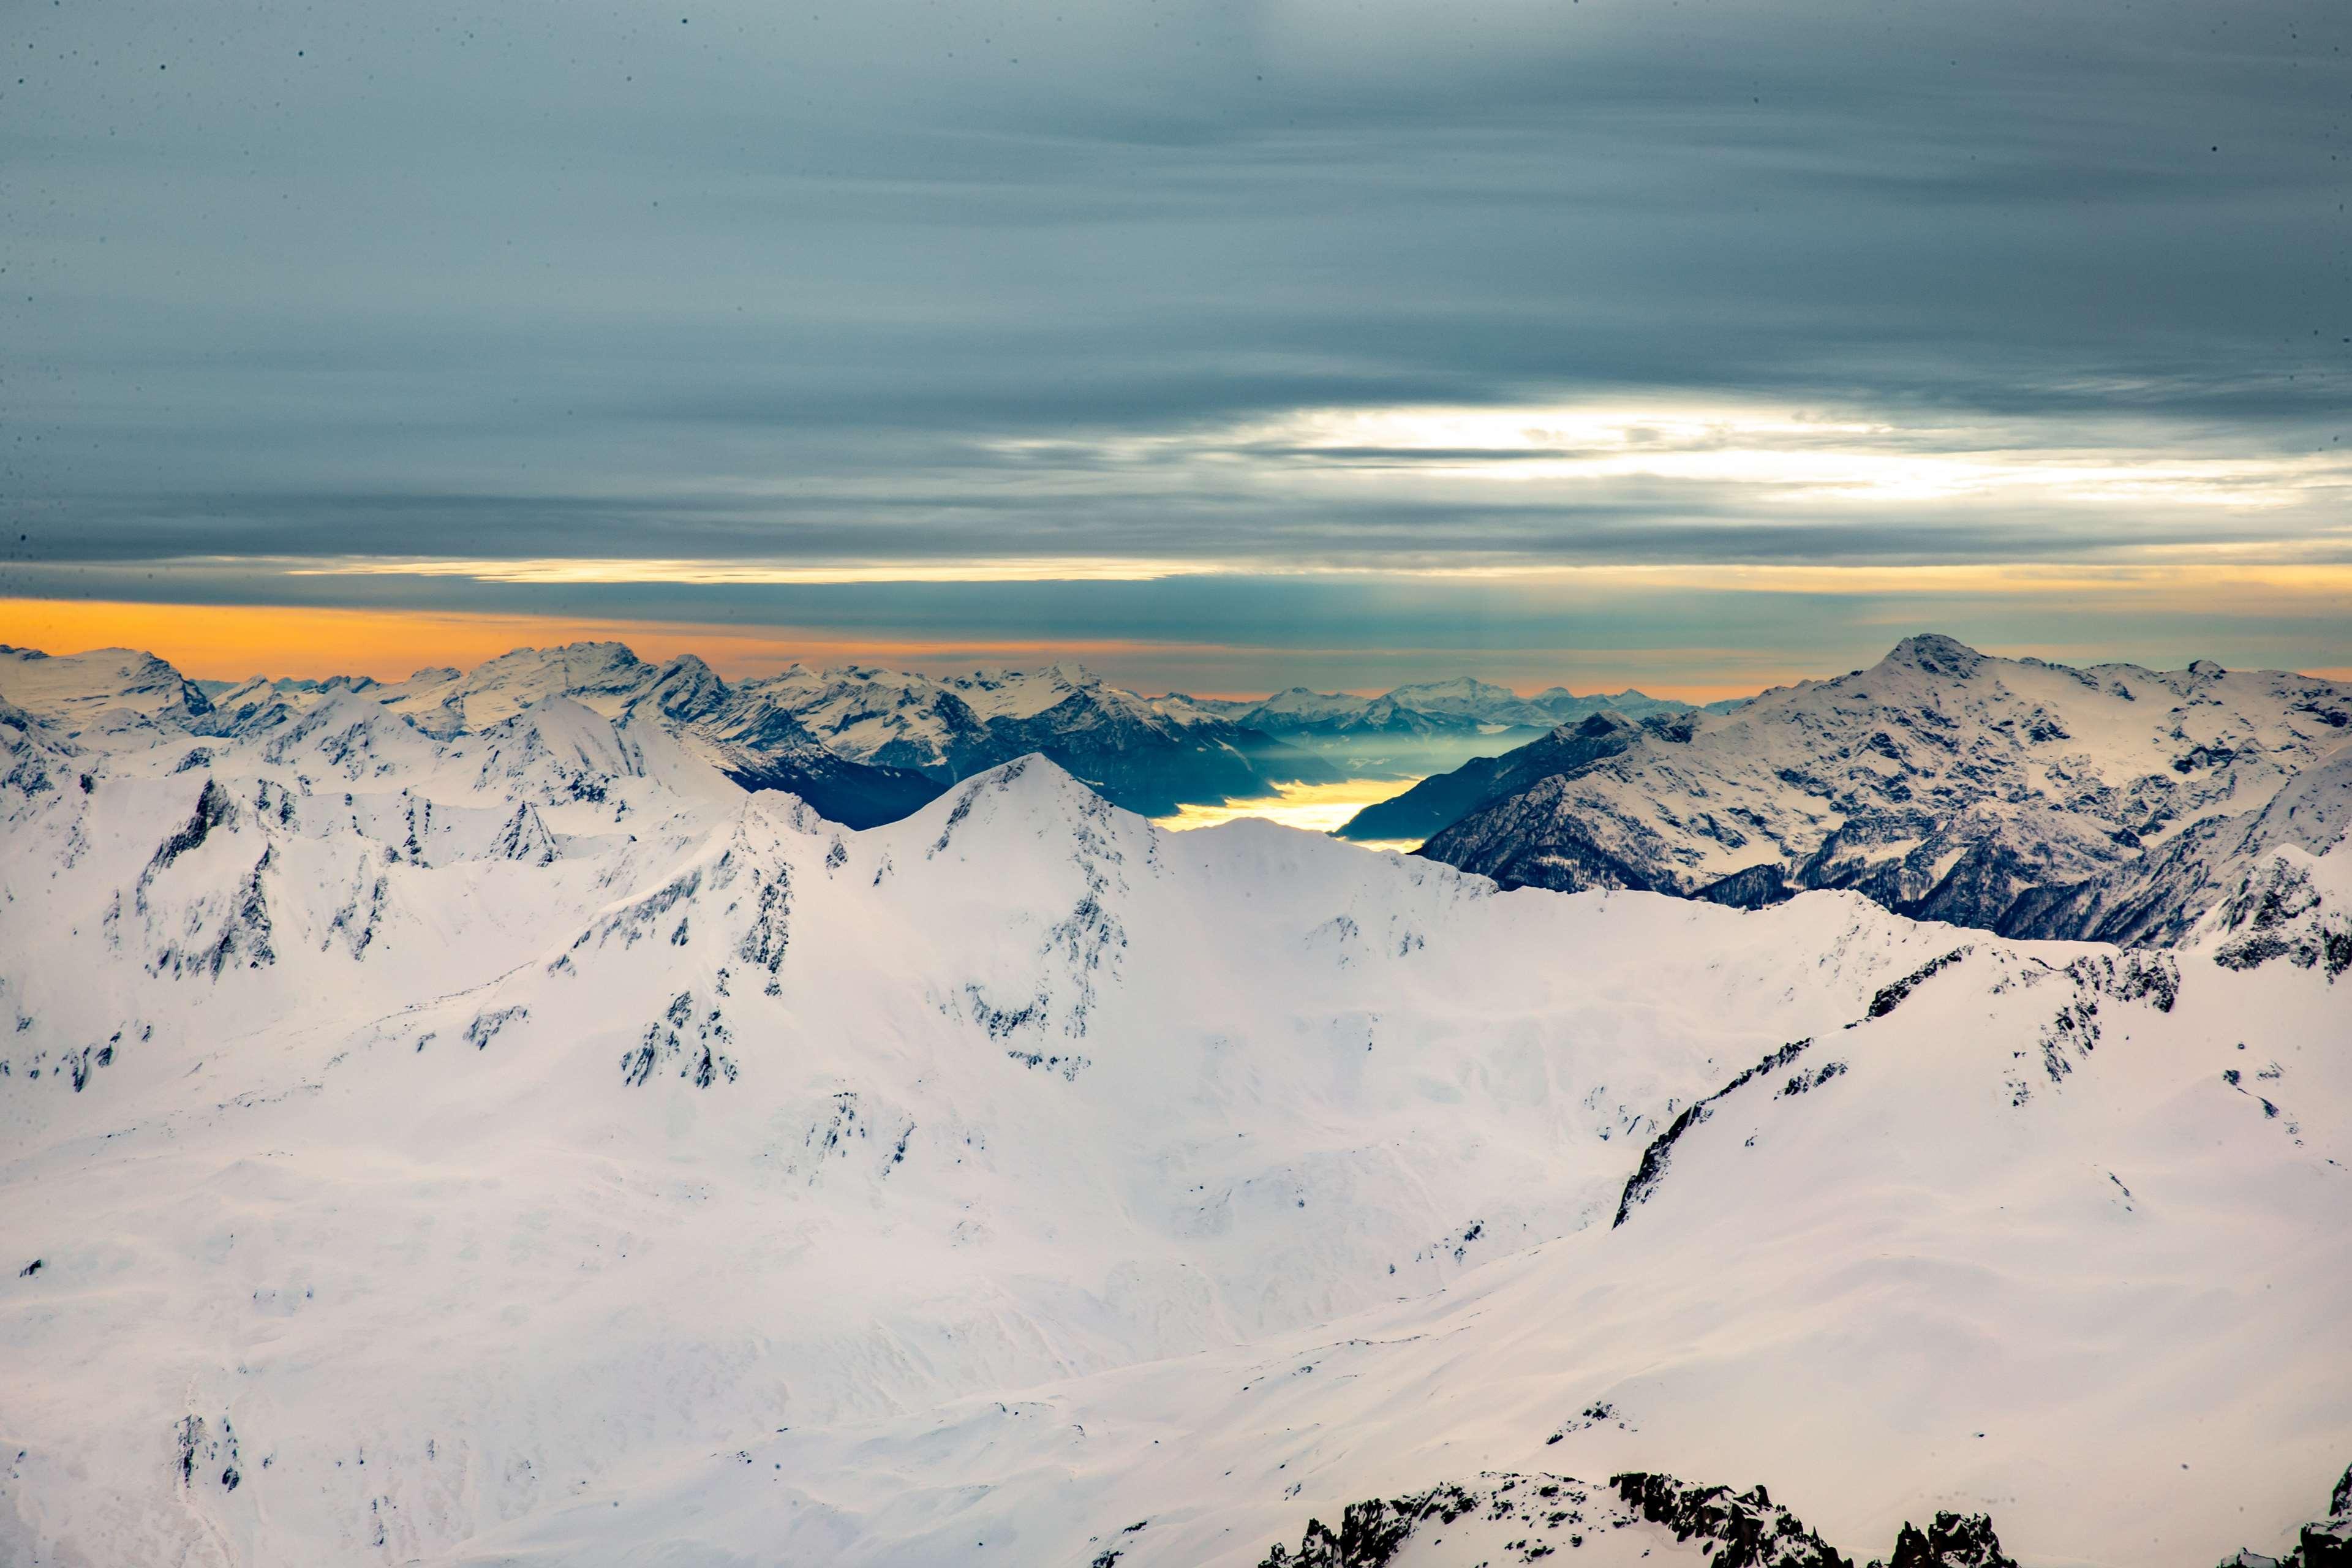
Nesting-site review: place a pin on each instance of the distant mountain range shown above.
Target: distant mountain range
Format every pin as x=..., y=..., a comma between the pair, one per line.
x=862, y=745
x=2033, y=799
x=1448, y=707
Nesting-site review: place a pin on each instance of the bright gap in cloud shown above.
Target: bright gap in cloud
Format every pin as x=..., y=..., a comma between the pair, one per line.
x=558, y=571
x=1317, y=808
x=1768, y=454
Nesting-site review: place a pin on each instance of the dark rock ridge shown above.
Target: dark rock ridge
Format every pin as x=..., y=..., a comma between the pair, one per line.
x=1950, y=1540
x=2035, y=800
x=1526, y=1518
x=1133, y=759
x=1752, y=1531
x=1500, y=1518
x=1652, y=1171
x=1433, y=804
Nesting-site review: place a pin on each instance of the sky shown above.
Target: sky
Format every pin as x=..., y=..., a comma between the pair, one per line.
x=1696, y=344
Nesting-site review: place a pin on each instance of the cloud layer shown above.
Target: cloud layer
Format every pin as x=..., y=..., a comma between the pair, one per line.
x=739, y=311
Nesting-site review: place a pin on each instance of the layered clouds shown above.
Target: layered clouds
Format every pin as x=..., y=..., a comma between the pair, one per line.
x=1511, y=337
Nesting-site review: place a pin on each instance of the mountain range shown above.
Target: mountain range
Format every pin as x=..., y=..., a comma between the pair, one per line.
x=866, y=745
x=465, y=1123
x=1430, y=708
x=2033, y=799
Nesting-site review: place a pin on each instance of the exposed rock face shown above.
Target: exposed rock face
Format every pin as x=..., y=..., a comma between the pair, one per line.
x=2113, y=804
x=1370, y=1532
x=2280, y=909
x=1950, y=1540
x=1500, y=1518
x=1752, y=1529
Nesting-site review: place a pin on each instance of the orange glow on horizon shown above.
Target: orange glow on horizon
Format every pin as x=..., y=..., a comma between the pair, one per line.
x=231, y=642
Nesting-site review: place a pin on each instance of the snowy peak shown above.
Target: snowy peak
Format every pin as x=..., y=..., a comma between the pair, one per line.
x=1933, y=654
x=1464, y=696
x=686, y=689
x=603, y=675
x=1029, y=801
x=2024, y=796
x=110, y=689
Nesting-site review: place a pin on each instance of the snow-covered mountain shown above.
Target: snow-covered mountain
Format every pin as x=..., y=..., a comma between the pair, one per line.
x=110, y=690
x=505, y=1139
x=1443, y=799
x=2033, y=799
x=858, y=741
x=744, y=736
x=1150, y=754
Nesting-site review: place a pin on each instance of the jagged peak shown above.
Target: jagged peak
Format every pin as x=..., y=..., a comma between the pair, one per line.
x=1603, y=721
x=1934, y=654
x=685, y=688
x=525, y=837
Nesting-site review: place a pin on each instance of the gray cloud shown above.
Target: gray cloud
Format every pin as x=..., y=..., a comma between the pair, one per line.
x=741, y=281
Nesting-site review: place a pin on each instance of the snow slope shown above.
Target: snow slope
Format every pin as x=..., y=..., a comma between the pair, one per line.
x=522, y=1144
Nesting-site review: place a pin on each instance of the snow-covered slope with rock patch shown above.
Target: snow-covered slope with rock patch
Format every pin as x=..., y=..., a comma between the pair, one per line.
x=518, y=1143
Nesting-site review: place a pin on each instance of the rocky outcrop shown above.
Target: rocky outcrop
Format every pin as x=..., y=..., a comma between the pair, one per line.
x=2279, y=912
x=1748, y=1528
x=1950, y=1540
x=1501, y=1517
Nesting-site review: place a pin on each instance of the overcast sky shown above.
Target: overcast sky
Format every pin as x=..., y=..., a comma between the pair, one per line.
x=1227, y=345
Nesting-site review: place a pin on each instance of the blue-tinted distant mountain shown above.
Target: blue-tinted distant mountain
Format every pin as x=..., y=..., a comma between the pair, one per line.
x=1461, y=706
x=1438, y=801
x=1148, y=754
